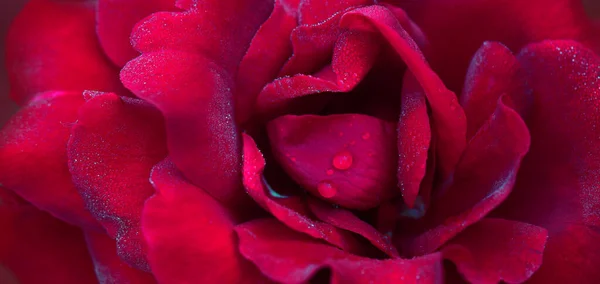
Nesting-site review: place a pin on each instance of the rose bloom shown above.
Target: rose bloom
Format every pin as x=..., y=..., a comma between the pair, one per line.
x=302, y=141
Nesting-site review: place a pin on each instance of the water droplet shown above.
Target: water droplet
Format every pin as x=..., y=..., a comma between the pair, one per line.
x=342, y=160
x=329, y=172
x=293, y=159
x=366, y=136
x=326, y=189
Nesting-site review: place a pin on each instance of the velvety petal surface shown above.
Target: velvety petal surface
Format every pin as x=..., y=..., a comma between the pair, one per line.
x=560, y=174
x=219, y=30
x=345, y=219
x=456, y=29
x=483, y=179
x=33, y=157
x=268, y=51
x=190, y=235
x=414, y=137
x=114, y=144
x=292, y=216
x=35, y=247
x=195, y=96
x=345, y=159
x=289, y=257
x=109, y=267
x=115, y=20
x=52, y=45
x=448, y=117
x=315, y=11
x=493, y=72
x=495, y=250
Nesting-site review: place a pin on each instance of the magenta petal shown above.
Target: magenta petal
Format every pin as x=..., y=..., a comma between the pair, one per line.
x=560, y=174
x=115, y=20
x=254, y=164
x=33, y=157
x=448, y=116
x=456, y=29
x=207, y=28
x=268, y=51
x=494, y=250
x=114, y=144
x=289, y=257
x=52, y=45
x=484, y=177
x=345, y=159
x=414, y=136
x=109, y=267
x=315, y=11
x=492, y=73
x=195, y=97
x=37, y=248
x=346, y=220
x=190, y=235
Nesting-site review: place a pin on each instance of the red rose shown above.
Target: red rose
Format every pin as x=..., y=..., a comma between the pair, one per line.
x=252, y=141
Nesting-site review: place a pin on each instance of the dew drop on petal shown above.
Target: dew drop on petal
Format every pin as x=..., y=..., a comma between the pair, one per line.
x=329, y=172
x=366, y=136
x=342, y=160
x=326, y=189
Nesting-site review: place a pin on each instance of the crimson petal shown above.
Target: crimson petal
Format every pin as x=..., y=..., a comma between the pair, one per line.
x=33, y=157
x=290, y=257
x=51, y=46
x=493, y=72
x=315, y=11
x=268, y=51
x=220, y=30
x=254, y=183
x=114, y=144
x=484, y=177
x=346, y=159
x=194, y=95
x=495, y=249
x=414, y=137
x=190, y=235
x=36, y=248
x=346, y=220
x=456, y=29
x=560, y=174
x=448, y=117
x=115, y=20
x=109, y=267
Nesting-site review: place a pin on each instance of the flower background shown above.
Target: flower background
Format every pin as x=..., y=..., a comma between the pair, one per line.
x=9, y=8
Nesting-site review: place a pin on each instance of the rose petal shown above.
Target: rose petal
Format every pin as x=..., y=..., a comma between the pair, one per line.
x=456, y=29
x=484, y=177
x=33, y=157
x=560, y=174
x=315, y=11
x=115, y=20
x=36, y=248
x=414, y=136
x=345, y=159
x=52, y=45
x=109, y=267
x=351, y=56
x=289, y=257
x=493, y=72
x=346, y=220
x=254, y=183
x=495, y=250
x=268, y=51
x=220, y=30
x=114, y=144
x=203, y=138
x=190, y=235
x=448, y=116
